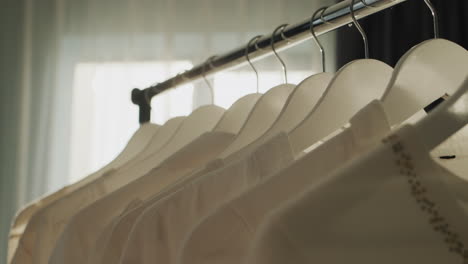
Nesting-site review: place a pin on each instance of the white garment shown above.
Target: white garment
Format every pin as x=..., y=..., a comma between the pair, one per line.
x=225, y=235
x=392, y=205
x=111, y=241
x=136, y=144
x=157, y=234
x=77, y=240
x=45, y=227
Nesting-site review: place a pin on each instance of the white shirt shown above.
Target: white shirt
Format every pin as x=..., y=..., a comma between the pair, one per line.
x=225, y=235
x=157, y=234
x=139, y=140
x=45, y=227
x=79, y=237
x=392, y=205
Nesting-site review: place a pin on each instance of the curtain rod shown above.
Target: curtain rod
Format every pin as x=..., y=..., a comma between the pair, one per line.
x=333, y=17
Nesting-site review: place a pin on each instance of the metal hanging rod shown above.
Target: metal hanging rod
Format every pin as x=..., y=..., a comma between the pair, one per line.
x=332, y=18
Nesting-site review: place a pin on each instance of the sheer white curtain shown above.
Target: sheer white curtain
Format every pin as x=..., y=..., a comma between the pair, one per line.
x=77, y=61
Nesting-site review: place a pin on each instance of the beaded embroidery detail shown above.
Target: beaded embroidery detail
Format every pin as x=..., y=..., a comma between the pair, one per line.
x=420, y=194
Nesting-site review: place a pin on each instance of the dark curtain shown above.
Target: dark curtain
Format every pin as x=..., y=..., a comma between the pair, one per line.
x=394, y=31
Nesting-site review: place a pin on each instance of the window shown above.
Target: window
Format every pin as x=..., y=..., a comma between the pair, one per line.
x=104, y=118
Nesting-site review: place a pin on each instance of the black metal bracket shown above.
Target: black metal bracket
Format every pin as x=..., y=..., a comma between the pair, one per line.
x=140, y=98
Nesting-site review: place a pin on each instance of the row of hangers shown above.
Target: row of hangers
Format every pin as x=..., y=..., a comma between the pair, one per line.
x=425, y=73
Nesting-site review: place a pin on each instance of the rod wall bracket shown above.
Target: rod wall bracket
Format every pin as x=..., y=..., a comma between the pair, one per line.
x=140, y=98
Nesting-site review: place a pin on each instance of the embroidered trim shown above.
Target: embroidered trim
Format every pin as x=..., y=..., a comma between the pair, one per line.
x=420, y=194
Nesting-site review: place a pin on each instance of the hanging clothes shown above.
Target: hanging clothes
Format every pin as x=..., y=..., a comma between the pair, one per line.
x=207, y=243
x=393, y=205
x=251, y=185
x=78, y=240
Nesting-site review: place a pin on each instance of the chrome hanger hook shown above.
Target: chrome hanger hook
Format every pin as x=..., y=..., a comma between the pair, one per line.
x=257, y=47
x=435, y=17
x=314, y=36
x=359, y=28
x=209, y=62
x=322, y=18
x=272, y=43
x=253, y=40
x=366, y=4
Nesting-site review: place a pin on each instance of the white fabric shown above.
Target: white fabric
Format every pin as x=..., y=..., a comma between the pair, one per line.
x=455, y=149
x=392, y=205
x=77, y=239
x=131, y=153
x=120, y=45
x=111, y=241
x=45, y=227
x=157, y=234
x=225, y=236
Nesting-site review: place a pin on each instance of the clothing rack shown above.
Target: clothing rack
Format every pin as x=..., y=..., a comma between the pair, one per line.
x=331, y=18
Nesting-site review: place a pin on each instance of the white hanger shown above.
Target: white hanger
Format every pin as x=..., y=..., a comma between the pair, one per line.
x=265, y=111
x=354, y=86
x=425, y=73
x=235, y=117
x=446, y=119
x=305, y=96
x=201, y=120
x=136, y=144
x=162, y=136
